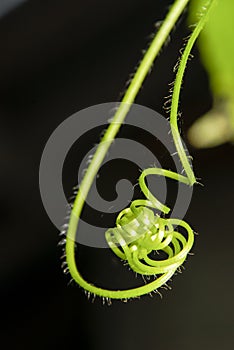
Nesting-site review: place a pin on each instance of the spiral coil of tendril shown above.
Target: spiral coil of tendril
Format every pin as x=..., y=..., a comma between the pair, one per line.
x=139, y=232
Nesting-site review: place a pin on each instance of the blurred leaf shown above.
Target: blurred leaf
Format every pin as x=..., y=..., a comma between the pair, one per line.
x=216, y=47
x=210, y=130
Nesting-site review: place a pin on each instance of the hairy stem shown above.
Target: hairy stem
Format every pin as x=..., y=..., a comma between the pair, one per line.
x=204, y=15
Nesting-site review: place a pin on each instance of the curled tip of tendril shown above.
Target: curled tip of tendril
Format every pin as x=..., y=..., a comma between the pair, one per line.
x=139, y=232
x=161, y=236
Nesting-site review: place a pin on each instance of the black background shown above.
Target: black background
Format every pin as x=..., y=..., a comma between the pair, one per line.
x=58, y=57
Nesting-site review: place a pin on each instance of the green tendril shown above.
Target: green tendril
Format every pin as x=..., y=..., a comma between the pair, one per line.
x=138, y=230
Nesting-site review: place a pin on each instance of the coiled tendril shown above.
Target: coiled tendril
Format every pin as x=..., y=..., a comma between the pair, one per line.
x=139, y=231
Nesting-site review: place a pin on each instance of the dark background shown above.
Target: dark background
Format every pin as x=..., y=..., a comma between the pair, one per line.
x=58, y=57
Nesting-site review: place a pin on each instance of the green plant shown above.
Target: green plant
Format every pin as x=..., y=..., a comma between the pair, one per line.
x=159, y=232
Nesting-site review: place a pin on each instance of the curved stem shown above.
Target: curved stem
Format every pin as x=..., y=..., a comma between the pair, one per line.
x=174, y=13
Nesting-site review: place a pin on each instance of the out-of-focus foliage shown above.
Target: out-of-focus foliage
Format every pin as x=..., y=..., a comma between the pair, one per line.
x=216, y=45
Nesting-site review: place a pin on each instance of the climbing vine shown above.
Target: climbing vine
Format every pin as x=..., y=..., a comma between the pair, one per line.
x=139, y=231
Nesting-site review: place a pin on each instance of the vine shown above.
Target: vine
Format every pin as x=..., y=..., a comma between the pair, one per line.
x=138, y=230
